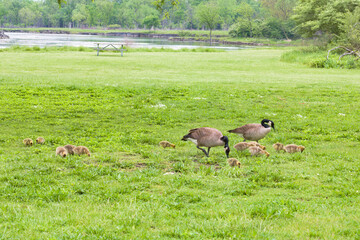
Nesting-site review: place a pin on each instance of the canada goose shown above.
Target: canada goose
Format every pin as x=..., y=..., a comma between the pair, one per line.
x=292, y=148
x=278, y=147
x=61, y=151
x=255, y=151
x=234, y=162
x=70, y=149
x=28, y=142
x=207, y=137
x=166, y=144
x=40, y=140
x=254, y=131
x=80, y=150
x=241, y=146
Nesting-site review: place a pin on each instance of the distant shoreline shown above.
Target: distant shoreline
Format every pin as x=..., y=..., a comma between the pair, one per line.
x=169, y=36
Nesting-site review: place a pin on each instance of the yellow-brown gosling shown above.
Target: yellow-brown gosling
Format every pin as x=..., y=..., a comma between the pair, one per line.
x=256, y=151
x=278, y=146
x=70, y=149
x=241, y=146
x=292, y=148
x=40, y=140
x=61, y=151
x=80, y=150
x=254, y=131
x=28, y=142
x=166, y=144
x=207, y=137
x=233, y=162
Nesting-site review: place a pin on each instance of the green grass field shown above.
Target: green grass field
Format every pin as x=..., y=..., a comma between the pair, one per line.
x=121, y=107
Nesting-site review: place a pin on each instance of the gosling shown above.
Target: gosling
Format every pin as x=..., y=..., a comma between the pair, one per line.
x=40, y=140
x=70, y=149
x=28, y=142
x=61, y=151
x=166, y=144
x=233, y=162
x=256, y=151
x=292, y=148
x=278, y=147
x=242, y=146
x=80, y=150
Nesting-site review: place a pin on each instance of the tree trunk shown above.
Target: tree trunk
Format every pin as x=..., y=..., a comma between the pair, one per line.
x=210, y=38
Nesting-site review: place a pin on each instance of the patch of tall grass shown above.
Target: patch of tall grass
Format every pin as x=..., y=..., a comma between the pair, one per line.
x=316, y=57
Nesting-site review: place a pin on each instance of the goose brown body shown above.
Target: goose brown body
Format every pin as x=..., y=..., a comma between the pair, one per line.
x=70, y=149
x=40, y=140
x=166, y=144
x=80, y=150
x=256, y=151
x=278, y=146
x=233, y=162
x=61, y=151
x=292, y=148
x=28, y=142
x=254, y=131
x=207, y=137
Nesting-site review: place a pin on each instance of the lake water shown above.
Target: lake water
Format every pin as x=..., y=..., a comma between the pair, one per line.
x=77, y=40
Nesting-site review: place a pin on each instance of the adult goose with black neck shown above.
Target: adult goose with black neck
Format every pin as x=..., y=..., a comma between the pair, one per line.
x=207, y=137
x=254, y=131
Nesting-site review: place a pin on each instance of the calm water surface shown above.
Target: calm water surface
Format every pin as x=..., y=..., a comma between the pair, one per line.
x=77, y=40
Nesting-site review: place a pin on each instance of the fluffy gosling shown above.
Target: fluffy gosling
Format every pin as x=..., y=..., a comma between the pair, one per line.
x=241, y=146
x=28, y=142
x=61, y=151
x=256, y=151
x=40, y=140
x=166, y=144
x=70, y=149
x=292, y=148
x=278, y=147
x=80, y=150
x=233, y=162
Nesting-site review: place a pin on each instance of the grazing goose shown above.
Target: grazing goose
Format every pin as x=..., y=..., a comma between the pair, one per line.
x=28, y=142
x=278, y=147
x=61, y=151
x=40, y=140
x=166, y=144
x=255, y=151
x=254, y=131
x=242, y=146
x=207, y=137
x=233, y=162
x=292, y=148
x=70, y=149
x=80, y=150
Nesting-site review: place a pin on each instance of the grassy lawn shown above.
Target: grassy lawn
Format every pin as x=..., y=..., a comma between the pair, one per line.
x=122, y=107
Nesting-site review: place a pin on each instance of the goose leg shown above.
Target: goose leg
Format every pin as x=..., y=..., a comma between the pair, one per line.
x=208, y=151
x=203, y=150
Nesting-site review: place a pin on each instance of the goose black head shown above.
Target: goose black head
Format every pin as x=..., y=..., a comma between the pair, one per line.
x=266, y=123
x=225, y=139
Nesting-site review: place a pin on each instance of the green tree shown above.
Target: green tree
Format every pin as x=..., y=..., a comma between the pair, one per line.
x=151, y=21
x=208, y=15
x=80, y=14
x=322, y=16
x=281, y=10
x=27, y=16
x=246, y=12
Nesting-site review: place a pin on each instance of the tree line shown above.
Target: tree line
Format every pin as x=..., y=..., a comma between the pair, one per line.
x=281, y=19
